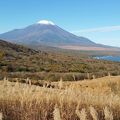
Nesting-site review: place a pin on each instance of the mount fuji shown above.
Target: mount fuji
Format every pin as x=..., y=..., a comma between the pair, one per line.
x=48, y=33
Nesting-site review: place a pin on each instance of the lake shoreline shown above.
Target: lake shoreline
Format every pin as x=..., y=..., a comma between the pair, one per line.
x=108, y=58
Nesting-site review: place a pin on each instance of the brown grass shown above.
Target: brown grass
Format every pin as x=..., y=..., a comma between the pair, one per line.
x=75, y=47
x=96, y=99
x=1, y=116
x=56, y=113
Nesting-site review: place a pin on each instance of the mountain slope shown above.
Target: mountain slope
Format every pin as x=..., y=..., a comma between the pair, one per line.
x=14, y=49
x=46, y=34
x=50, y=65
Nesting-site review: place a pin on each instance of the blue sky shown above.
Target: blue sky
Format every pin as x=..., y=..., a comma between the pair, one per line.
x=98, y=20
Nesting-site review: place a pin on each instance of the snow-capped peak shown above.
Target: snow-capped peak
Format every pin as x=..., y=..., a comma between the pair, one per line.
x=45, y=22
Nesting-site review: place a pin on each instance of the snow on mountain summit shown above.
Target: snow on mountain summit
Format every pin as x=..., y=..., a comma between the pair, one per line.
x=45, y=22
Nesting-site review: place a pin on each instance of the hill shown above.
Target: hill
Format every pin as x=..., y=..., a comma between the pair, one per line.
x=44, y=34
x=48, y=34
x=10, y=49
x=17, y=60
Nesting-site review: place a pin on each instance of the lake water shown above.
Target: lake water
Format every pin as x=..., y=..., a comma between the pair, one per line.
x=110, y=58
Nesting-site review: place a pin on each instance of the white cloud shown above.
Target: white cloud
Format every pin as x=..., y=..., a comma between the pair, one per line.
x=100, y=29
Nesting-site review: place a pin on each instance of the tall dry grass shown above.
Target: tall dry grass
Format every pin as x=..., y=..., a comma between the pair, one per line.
x=94, y=113
x=108, y=113
x=56, y=113
x=86, y=100
x=1, y=116
x=82, y=115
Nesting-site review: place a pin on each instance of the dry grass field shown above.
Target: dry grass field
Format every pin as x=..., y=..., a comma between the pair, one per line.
x=97, y=99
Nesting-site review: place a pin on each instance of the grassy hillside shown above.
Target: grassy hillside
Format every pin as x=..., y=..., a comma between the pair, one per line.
x=42, y=98
x=86, y=100
x=16, y=60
